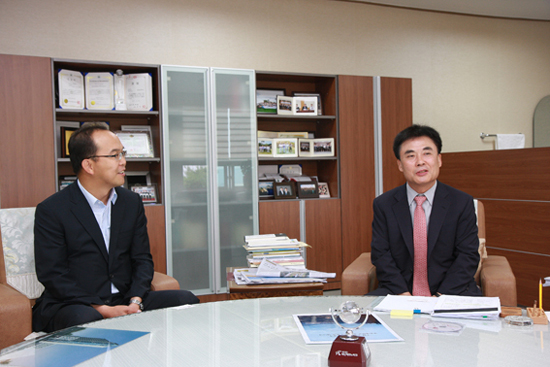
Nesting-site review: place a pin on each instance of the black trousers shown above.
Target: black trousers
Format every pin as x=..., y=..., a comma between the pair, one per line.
x=71, y=315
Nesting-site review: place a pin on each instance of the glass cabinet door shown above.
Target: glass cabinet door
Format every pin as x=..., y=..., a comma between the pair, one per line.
x=210, y=173
x=234, y=120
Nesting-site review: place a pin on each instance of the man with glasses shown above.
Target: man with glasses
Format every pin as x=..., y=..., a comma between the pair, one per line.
x=91, y=244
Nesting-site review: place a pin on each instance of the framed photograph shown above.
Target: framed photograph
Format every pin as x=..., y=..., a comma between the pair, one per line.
x=323, y=190
x=307, y=189
x=285, y=147
x=265, y=147
x=135, y=178
x=284, y=105
x=284, y=190
x=319, y=105
x=266, y=100
x=148, y=193
x=323, y=147
x=138, y=144
x=266, y=189
x=305, y=106
x=305, y=147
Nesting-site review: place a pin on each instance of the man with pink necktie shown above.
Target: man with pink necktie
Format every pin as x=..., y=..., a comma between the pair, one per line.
x=424, y=233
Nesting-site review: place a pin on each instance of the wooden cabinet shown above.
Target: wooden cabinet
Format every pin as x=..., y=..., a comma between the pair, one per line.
x=27, y=142
x=315, y=221
x=151, y=168
x=320, y=126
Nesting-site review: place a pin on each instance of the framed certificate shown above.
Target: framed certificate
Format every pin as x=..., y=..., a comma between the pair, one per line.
x=138, y=144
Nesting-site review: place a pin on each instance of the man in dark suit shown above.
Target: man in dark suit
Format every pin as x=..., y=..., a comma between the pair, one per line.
x=451, y=254
x=91, y=244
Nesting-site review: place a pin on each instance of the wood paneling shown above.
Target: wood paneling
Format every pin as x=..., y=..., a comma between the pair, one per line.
x=396, y=101
x=514, y=186
x=157, y=235
x=324, y=235
x=27, y=164
x=528, y=269
x=504, y=232
x=517, y=174
x=280, y=217
x=355, y=98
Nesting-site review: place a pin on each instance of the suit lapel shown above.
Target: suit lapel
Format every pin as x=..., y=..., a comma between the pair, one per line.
x=402, y=214
x=440, y=208
x=84, y=214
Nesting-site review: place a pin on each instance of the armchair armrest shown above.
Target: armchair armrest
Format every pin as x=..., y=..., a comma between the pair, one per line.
x=15, y=316
x=163, y=282
x=359, y=277
x=498, y=280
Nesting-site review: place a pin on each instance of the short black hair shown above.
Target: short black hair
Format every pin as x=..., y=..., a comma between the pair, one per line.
x=81, y=144
x=416, y=131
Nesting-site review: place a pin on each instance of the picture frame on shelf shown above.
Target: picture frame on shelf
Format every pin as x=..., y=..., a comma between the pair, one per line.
x=148, y=193
x=284, y=105
x=307, y=189
x=284, y=190
x=138, y=144
x=133, y=178
x=305, y=106
x=64, y=131
x=71, y=89
x=319, y=102
x=305, y=147
x=324, y=191
x=266, y=101
x=265, y=147
x=323, y=147
x=285, y=147
x=265, y=189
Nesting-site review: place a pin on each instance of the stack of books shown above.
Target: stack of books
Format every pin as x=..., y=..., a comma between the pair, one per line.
x=277, y=248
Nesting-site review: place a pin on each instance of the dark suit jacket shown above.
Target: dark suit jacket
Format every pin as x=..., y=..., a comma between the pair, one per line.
x=452, y=243
x=71, y=258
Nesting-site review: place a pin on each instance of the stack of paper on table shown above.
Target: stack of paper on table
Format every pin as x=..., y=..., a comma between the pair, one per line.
x=271, y=273
x=276, y=247
x=467, y=307
x=444, y=306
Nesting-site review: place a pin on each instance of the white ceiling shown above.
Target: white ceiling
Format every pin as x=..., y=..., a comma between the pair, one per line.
x=521, y=9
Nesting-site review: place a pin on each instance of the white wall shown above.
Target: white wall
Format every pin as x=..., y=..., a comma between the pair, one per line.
x=470, y=74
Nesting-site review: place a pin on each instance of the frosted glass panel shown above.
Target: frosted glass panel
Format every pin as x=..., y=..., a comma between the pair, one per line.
x=234, y=95
x=186, y=166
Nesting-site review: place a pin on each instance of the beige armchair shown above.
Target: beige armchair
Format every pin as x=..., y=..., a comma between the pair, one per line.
x=494, y=275
x=19, y=286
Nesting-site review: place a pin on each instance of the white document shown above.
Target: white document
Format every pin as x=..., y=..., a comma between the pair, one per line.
x=467, y=307
x=100, y=92
x=270, y=269
x=407, y=303
x=71, y=89
x=139, y=92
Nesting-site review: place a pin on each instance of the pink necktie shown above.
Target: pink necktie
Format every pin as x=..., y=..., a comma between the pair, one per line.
x=420, y=236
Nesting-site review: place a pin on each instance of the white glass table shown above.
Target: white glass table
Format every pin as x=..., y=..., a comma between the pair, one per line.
x=261, y=332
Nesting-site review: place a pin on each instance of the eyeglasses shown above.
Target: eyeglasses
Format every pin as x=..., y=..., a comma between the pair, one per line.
x=118, y=156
